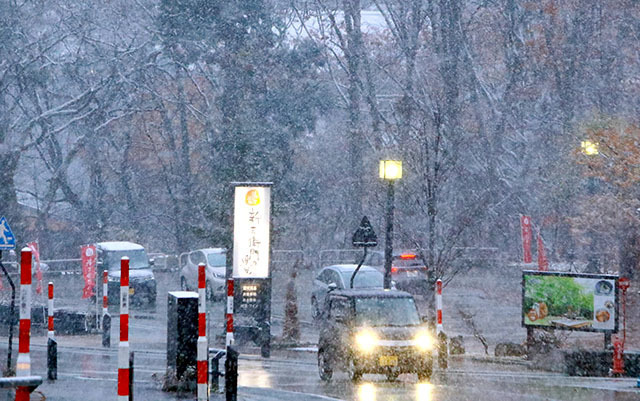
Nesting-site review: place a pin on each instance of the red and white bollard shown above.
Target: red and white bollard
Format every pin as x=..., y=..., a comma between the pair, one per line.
x=123, y=347
x=202, y=335
x=229, y=340
x=439, y=328
x=50, y=332
x=105, y=296
x=23, y=367
x=618, y=357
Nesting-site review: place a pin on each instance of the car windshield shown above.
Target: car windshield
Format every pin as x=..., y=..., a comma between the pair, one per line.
x=217, y=259
x=137, y=259
x=364, y=279
x=372, y=311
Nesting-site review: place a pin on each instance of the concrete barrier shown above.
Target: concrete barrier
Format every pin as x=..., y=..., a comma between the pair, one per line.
x=8, y=385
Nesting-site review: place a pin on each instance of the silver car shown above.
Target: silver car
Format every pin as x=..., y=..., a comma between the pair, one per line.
x=338, y=277
x=215, y=260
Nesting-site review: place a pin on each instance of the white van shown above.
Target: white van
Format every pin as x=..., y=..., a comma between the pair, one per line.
x=142, y=282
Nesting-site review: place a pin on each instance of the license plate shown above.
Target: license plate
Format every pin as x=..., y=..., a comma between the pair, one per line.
x=412, y=274
x=388, y=360
x=131, y=291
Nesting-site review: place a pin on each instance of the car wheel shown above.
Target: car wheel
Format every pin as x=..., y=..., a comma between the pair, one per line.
x=324, y=366
x=315, y=311
x=183, y=284
x=392, y=376
x=425, y=374
x=354, y=373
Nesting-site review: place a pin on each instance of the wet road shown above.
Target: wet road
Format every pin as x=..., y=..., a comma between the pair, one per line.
x=87, y=372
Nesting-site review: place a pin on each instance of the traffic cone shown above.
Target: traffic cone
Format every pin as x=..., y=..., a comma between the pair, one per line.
x=291, y=329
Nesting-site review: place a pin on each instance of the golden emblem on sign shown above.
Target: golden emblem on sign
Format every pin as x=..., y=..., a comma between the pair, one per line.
x=252, y=198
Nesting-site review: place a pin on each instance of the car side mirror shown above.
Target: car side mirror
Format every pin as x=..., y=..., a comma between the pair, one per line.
x=332, y=286
x=152, y=262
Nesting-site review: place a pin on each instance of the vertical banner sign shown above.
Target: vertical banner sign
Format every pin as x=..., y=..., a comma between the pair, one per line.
x=89, y=270
x=36, y=254
x=543, y=263
x=251, y=225
x=527, y=237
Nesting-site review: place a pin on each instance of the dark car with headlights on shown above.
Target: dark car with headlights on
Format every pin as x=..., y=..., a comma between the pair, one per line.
x=374, y=331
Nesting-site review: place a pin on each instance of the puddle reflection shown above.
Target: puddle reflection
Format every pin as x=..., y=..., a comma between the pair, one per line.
x=424, y=391
x=367, y=392
x=389, y=392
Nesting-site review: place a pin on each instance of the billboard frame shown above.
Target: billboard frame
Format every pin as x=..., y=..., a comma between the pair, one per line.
x=613, y=277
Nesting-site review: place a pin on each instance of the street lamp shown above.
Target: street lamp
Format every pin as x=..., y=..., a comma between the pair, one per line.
x=390, y=170
x=589, y=148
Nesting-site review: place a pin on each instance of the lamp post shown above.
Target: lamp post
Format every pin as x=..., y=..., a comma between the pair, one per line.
x=591, y=149
x=390, y=170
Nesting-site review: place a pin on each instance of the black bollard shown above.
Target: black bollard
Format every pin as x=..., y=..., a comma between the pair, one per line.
x=215, y=371
x=231, y=375
x=442, y=351
x=131, y=376
x=265, y=340
x=52, y=359
x=106, y=330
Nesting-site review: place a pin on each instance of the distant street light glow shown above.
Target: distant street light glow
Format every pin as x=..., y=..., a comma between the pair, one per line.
x=589, y=148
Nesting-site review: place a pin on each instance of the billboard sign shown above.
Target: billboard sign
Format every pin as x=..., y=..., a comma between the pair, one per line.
x=570, y=301
x=251, y=230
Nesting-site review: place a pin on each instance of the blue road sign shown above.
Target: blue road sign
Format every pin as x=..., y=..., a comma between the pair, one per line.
x=7, y=239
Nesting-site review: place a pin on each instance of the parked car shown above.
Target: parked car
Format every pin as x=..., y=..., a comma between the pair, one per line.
x=215, y=260
x=338, y=277
x=142, y=282
x=374, y=331
x=408, y=271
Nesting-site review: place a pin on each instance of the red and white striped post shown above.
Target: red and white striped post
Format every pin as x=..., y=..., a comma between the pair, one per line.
x=105, y=296
x=23, y=367
x=439, y=328
x=229, y=340
x=123, y=347
x=50, y=332
x=202, y=335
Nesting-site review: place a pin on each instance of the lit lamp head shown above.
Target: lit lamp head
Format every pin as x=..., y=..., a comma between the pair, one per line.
x=589, y=148
x=390, y=169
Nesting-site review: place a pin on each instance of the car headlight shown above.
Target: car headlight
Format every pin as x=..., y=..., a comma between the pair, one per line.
x=366, y=341
x=423, y=341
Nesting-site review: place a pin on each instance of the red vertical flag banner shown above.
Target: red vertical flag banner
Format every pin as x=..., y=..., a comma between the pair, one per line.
x=36, y=254
x=527, y=237
x=543, y=263
x=89, y=270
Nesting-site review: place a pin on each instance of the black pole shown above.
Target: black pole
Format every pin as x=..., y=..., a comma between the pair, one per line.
x=231, y=375
x=11, y=313
x=52, y=359
x=353, y=275
x=106, y=330
x=131, y=355
x=215, y=372
x=388, y=243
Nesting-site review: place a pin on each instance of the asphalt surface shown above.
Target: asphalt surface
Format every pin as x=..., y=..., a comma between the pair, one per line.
x=88, y=372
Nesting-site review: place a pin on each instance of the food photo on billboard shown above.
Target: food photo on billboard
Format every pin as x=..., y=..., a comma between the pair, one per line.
x=570, y=301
